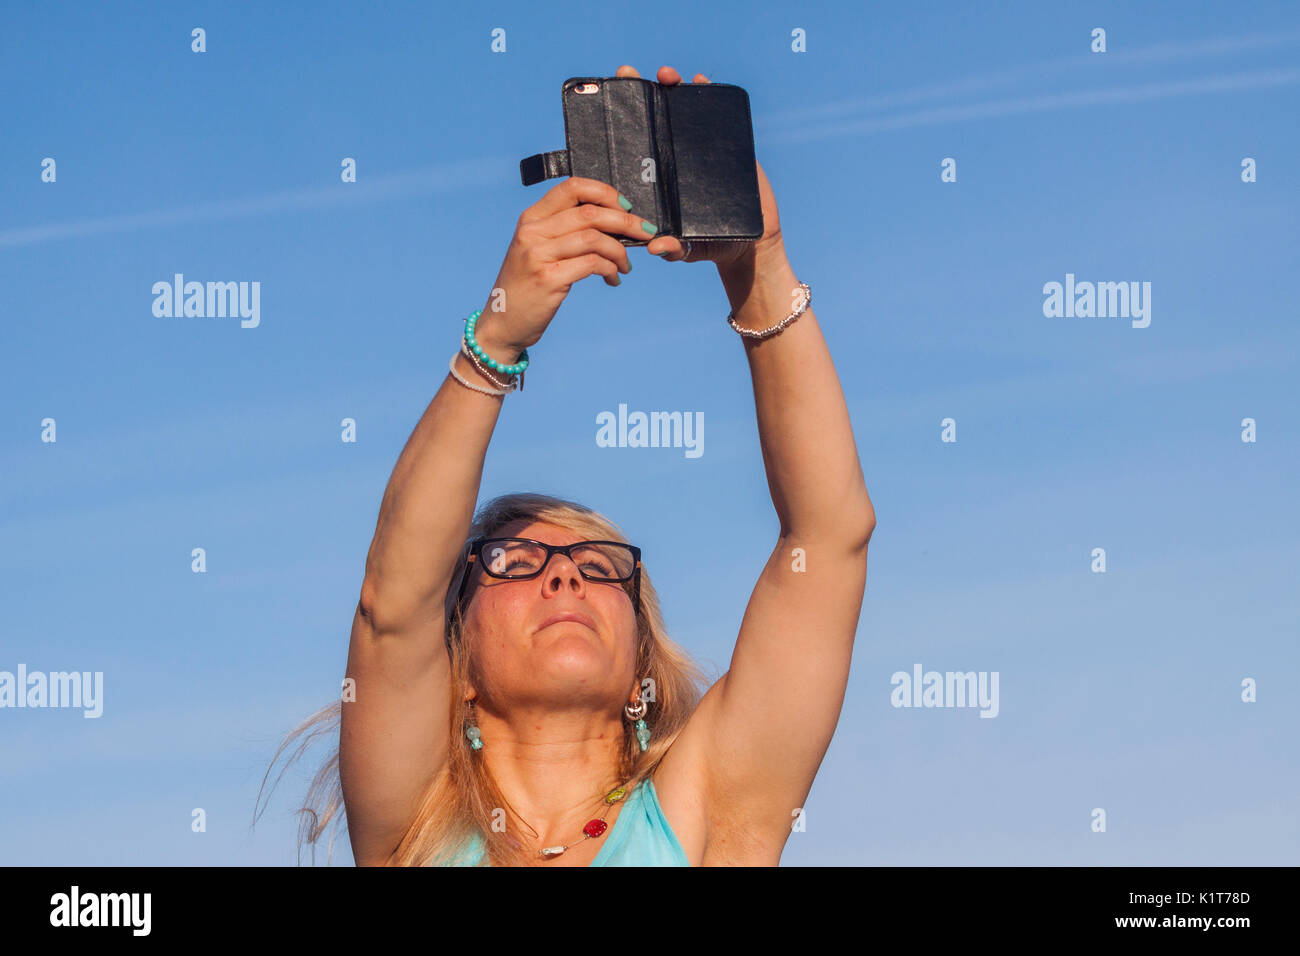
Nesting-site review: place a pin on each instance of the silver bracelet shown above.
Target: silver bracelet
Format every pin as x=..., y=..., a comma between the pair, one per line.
x=751, y=334
x=508, y=386
x=478, y=388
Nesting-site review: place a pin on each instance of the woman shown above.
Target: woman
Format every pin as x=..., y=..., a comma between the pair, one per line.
x=512, y=697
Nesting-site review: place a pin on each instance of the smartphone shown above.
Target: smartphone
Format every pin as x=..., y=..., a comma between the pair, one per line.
x=683, y=155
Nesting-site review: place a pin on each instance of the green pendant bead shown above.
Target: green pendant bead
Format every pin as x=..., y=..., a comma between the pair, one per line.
x=615, y=795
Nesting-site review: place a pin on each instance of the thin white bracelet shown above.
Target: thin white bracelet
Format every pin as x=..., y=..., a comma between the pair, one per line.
x=752, y=334
x=477, y=388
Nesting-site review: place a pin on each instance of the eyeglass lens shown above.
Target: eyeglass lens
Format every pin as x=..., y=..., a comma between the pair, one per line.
x=513, y=558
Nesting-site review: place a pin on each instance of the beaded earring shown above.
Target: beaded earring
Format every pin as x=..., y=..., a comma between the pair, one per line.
x=472, y=731
x=636, y=713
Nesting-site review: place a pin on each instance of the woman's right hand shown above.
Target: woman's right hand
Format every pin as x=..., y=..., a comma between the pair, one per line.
x=565, y=236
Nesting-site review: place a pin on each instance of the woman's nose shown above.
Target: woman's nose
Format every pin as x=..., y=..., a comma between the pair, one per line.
x=561, y=568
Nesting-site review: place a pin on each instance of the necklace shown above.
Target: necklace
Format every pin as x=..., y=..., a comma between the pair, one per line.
x=593, y=829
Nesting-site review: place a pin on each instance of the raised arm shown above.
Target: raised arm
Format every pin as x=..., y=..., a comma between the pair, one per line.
x=772, y=715
x=393, y=737
x=750, y=752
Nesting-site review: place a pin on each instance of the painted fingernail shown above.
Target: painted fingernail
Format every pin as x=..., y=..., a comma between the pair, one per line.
x=649, y=227
x=617, y=281
x=623, y=201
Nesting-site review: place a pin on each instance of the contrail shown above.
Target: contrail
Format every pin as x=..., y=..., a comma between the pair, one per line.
x=1030, y=104
x=1032, y=71
x=414, y=183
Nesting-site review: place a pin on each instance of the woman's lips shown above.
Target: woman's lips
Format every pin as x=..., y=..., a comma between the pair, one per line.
x=574, y=616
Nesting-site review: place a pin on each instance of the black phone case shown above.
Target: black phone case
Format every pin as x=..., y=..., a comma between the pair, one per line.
x=683, y=155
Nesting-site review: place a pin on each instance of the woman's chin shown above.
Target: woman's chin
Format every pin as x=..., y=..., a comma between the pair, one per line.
x=573, y=654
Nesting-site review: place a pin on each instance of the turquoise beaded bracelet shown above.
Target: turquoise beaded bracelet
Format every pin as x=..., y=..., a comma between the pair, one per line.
x=490, y=362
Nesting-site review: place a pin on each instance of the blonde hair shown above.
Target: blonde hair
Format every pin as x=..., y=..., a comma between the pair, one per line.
x=460, y=799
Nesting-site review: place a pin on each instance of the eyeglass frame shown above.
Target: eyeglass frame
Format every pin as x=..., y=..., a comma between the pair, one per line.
x=475, y=550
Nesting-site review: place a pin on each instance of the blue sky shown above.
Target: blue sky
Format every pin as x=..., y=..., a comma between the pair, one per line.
x=1118, y=690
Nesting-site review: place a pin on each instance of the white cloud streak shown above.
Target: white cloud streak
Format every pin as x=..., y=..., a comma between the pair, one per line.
x=1036, y=73
x=396, y=186
x=1032, y=104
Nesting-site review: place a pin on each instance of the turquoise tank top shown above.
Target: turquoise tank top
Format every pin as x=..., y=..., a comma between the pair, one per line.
x=640, y=836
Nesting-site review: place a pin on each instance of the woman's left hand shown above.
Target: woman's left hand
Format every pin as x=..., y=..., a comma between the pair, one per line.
x=725, y=255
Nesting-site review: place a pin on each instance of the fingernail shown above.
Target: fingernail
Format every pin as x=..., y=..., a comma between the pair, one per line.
x=623, y=201
x=649, y=227
x=629, y=263
x=617, y=281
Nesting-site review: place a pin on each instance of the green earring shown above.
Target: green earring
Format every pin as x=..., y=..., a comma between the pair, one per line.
x=637, y=713
x=472, y=731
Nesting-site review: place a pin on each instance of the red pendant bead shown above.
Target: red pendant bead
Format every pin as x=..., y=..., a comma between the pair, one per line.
x=595, y=828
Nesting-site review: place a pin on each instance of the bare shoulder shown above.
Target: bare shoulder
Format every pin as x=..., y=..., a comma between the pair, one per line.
x=710, y=833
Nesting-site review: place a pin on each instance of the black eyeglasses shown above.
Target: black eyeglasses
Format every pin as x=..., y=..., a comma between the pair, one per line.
x=518, y=559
